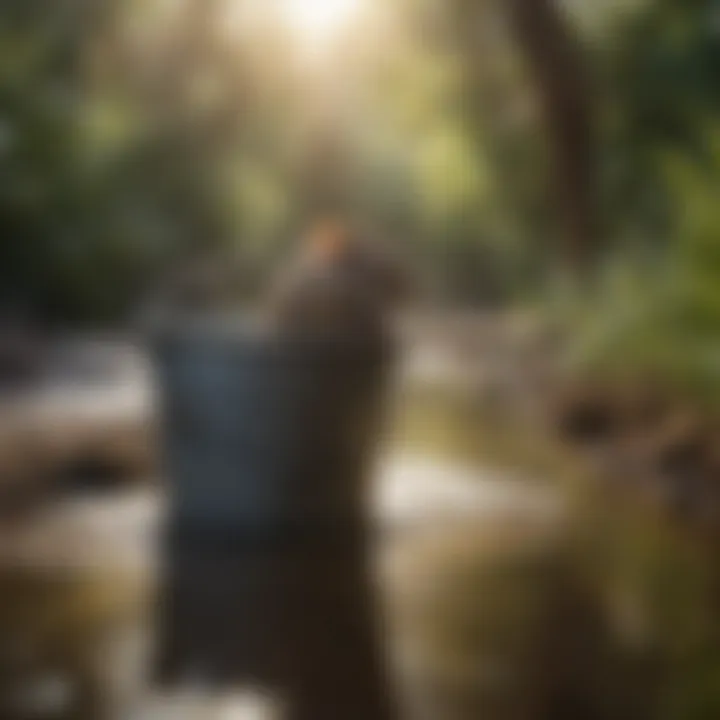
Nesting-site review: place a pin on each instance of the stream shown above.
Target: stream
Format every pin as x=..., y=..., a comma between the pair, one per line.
x=76, y=577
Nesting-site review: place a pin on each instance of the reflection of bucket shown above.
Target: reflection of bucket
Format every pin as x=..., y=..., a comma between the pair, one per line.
x=267, y=443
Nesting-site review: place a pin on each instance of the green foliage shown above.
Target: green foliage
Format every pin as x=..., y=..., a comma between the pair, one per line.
x=655, y=311
x=136, y=133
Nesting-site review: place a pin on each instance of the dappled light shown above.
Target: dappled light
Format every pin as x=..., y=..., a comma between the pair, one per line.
x=359, y=360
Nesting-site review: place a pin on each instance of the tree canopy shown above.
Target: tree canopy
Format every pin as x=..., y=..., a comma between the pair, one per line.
x=495, y=141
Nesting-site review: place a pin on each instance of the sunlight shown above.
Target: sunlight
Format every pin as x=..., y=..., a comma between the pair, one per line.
x=318, y=19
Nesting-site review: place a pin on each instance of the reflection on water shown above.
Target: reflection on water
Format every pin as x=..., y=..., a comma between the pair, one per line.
x=64, y=635
x=465, y=570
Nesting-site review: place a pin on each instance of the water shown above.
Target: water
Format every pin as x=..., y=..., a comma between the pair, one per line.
x=78, y=576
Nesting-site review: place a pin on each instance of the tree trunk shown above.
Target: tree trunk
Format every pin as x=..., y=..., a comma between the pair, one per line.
x=555, y=60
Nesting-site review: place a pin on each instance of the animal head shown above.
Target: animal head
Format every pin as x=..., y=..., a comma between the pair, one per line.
x=333, y=243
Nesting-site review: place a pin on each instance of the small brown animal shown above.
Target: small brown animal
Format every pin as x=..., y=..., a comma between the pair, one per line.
x=340, y=286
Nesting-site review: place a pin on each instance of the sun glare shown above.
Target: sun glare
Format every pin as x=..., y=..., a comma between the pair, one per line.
x=318, y=19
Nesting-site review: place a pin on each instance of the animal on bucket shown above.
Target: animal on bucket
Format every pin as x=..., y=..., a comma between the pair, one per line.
x=339, y=285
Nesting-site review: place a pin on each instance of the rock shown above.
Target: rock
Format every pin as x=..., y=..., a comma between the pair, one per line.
x=587, y=420
x=601, y=412
x=74, y=432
